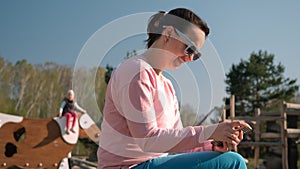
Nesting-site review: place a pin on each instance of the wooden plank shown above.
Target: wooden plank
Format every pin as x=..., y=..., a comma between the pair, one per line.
x=260, y=118
x=292, y=106
x=278, y=113
x=256, y=144
x=271, y=113
x=293, y=133
x=78, y=161
x=270, y=135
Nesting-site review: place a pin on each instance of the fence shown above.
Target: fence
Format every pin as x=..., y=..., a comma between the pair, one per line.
x=280, y=116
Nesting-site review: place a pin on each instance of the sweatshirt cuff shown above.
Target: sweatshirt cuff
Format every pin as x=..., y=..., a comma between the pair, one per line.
x=207, y=146
x=207, y=132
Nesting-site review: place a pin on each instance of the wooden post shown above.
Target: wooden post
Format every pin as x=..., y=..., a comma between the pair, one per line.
x=223, y=118
x=257, y=138
x=283, y=123
x=232, y=115
x=232, y=108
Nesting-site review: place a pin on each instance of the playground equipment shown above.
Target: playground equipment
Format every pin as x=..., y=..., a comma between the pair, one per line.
x=266, y=138
x=41, y=143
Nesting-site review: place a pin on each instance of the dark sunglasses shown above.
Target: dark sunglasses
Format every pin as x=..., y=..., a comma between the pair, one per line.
x=191, y=49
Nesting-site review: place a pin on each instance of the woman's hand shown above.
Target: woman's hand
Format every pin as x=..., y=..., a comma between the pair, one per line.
x=220, y=146
x=228, y=132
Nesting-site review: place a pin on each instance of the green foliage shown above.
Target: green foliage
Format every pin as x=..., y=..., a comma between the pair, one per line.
x=100, y=87
x=109, y=70
x=130, y=54
x=258, y=82
x=188, y=115
x=37, y=90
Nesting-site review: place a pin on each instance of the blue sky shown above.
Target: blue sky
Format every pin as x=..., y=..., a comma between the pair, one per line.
x=56, y=31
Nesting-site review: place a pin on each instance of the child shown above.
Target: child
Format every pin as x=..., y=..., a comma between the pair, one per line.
x=68, y=108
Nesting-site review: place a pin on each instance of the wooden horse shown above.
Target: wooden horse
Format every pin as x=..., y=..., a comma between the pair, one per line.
x=40, y=143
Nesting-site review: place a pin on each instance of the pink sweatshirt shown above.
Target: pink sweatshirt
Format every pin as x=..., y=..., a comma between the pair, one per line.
x=141, y=119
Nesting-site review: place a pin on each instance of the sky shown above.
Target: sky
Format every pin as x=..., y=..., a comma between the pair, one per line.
x=60, y=31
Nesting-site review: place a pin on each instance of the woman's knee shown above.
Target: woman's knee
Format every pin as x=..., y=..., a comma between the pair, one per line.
x=234, y=159
x=233, y=155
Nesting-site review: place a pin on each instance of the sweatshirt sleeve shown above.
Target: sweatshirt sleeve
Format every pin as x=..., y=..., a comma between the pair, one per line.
x=206, y=146
x=138, y=105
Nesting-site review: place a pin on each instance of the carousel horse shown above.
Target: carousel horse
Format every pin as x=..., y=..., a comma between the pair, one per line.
x=41, y=143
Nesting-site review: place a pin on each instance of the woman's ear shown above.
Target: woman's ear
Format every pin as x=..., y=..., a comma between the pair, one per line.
x=167, y=33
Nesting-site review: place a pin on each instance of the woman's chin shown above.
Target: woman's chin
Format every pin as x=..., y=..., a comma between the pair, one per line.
x=179, y=62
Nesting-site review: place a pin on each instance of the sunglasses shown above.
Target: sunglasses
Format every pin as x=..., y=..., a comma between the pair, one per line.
x=191, y=49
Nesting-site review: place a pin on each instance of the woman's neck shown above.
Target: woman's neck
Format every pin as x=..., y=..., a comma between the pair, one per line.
x=153, y=62
x=153, y=56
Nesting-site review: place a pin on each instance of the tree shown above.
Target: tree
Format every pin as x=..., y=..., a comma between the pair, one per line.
x=6, y=89
x=258, y=82
x=130, y=54
x=188, y=115
x=109, y=70
x=22, y=76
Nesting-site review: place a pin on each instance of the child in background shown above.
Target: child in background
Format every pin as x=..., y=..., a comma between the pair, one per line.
x=68, y=108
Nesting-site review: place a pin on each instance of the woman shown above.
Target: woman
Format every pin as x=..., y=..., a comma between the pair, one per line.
x=68, y=108
x=141, y=120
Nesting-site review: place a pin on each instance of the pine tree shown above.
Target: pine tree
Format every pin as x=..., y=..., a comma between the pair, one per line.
x=258, y=82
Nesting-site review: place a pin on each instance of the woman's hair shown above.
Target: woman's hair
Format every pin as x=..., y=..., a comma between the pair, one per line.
x=180, y=18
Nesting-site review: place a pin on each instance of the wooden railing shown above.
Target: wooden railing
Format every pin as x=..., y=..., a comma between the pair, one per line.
x=280, y=116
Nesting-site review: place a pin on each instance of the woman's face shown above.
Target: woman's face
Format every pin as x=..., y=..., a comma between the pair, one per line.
x=178, y=44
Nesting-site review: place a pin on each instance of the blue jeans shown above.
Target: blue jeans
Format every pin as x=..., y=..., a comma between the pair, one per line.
x=196, y=160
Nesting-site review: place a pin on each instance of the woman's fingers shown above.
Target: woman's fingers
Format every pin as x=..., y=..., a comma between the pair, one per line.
x=230, y=132
x=233, y=137
x=241, y=134
x=240, y=124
